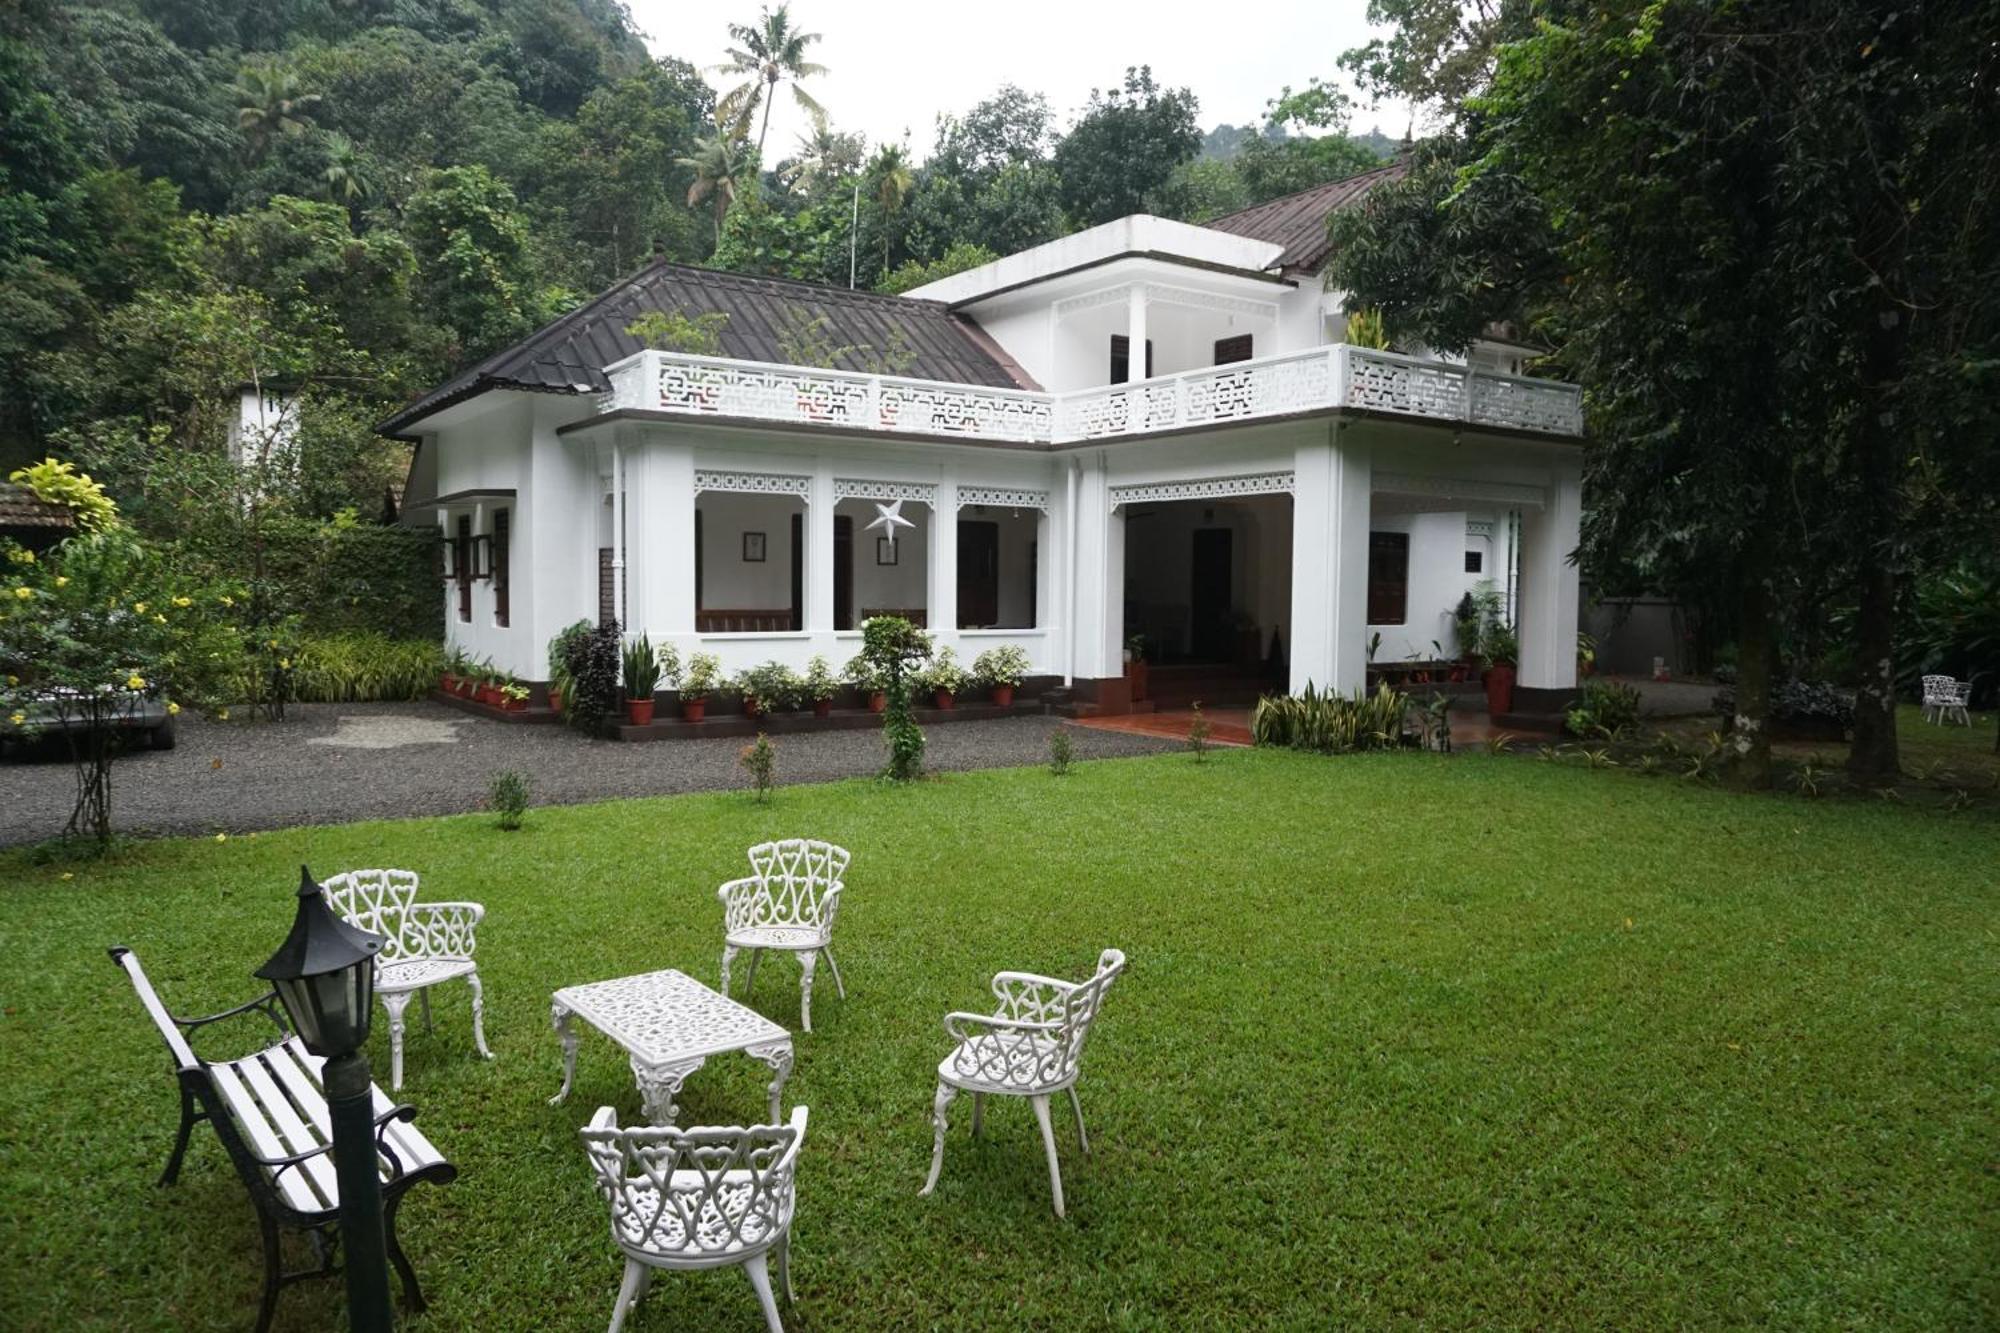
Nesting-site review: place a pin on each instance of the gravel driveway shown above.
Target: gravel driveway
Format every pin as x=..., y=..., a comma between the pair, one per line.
x=331, y=763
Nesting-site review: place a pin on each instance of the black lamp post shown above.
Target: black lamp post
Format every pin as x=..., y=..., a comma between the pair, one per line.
x=324, y=973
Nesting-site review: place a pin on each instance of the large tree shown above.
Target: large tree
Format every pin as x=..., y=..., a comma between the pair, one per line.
x=768, y=53
x=1125, y=148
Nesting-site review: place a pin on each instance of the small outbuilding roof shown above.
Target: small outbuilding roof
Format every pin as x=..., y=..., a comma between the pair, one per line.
x=1298, y=221
x=569, y=355
x=22, y=508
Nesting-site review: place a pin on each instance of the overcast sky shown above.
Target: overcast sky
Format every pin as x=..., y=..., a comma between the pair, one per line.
x=896, y=64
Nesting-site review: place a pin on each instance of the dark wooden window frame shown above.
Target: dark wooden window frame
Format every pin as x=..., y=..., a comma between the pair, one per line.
x=1121, y=359
x=1228, y=351
x=503, y=533
x=1388, y=578
x=462, y=556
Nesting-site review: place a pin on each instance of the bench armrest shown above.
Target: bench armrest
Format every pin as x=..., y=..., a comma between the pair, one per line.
x=266, y=1004
x=964, y=1026
x=404, y=1112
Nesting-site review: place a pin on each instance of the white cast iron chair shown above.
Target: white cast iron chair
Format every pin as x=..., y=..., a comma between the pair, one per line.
x=788, y=903
x=428, y=943
x=1029, y=1047
x=703, y=1197
x=1947, y=699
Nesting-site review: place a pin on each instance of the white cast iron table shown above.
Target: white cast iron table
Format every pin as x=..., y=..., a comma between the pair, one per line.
x=669, y=1024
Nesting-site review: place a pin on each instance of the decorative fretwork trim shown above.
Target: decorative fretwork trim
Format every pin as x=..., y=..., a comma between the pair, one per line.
x=1188, y=296
x=1206, y=488
x=1092, y=300
x=1456, y=488
x=754, y=483
x=852, y=488
x=1478, y=528
x=1003, y=497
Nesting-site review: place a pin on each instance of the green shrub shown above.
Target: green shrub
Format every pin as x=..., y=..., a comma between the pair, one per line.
x=1605, y=708
x=1005, y=665
x=593, y=694
x=364, y=668
x=760, y=761
x=771, y=686
x=1062, y=752
x=1330, y=723
x=640, y=668
x=894, y=649
x=1198, y=734
x=507, y=796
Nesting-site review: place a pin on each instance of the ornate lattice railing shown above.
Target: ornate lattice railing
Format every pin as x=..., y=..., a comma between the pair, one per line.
x=1319, y=378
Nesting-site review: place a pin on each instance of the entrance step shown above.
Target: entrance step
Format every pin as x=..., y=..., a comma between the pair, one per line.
x=1178, y=686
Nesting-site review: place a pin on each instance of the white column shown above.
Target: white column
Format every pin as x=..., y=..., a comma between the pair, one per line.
x=1547, y=624
x=1330, y=506
x=819, y=552
x=659, y=483
x=1098, y=616
x=941, y=559
x=1135, y=332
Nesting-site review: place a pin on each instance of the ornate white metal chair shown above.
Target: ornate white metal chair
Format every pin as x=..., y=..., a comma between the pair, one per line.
x=1947, y=699
x=788, y=902
x=703, y=1197
x=1029, y=1047
x=428, y=943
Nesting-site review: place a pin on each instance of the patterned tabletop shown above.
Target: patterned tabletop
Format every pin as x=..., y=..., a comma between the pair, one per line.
x=665, y=1016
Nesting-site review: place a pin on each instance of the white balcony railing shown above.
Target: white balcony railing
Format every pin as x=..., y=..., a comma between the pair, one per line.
x=1312, y=380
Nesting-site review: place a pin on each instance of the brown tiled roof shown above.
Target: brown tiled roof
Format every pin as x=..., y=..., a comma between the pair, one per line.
x=1298, y=221
x=21, y=508
x=569, y=355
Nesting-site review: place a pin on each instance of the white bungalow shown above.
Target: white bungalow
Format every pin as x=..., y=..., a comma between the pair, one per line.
x=1147, y=428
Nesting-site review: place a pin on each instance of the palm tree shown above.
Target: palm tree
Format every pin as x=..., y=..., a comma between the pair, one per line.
x=891, y=182
x=822, y=157
x=718, y=163
x=270, y=104
x=346, y=176
x=768, y=54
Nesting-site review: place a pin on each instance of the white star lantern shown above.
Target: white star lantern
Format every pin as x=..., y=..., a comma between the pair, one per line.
x=890, y=517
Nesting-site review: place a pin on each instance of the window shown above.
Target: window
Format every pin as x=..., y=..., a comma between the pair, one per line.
x=1121, y=359
x=461, y=563
x=1475, y=562
x=1388, y=577
x=1231, y=350
x=502, y=530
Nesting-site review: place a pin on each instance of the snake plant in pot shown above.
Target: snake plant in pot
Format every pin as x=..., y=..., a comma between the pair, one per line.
x=640, y=667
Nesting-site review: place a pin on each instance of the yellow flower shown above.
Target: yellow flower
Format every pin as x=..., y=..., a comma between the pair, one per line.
x=227, y=600
x=24, y=593
x=17, y=717
x=13, y=680
x=222, y=715
x=183, y=601
x=162, y=619
x=62, y=580
x=222, y=837
x=140, y=607
x=284, y=664
x=69, y=874
x=173, y=709
x=135, y=681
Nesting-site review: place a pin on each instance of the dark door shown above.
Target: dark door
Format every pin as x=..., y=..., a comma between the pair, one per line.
x=1208, y=597
x=843, y=572
x=798, y=571
x=978, y=574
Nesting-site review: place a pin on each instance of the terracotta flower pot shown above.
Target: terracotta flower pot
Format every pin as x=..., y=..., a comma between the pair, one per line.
x=1500, y=688
x=1136, y=673
x=448, y=683
x=556, y=700
x=489, y=696
x=944, y=698
x=466, y=689
x=822, y=708
x=1003, y=695
x=513, y=705
x=878, y=700
x=694, y=710
x=638, y=712
x=751, y=708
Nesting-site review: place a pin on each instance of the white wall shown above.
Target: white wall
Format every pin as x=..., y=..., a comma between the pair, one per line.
x=728, y=582
x=1437, y=579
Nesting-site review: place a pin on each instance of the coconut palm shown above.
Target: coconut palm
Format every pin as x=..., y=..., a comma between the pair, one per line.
x=823, y=157
x=890, y=181
x=345, y=176
x=769, y=53
x=719, y=162
x=269, y=104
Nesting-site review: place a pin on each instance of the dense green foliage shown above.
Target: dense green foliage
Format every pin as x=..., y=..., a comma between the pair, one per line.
x=1404, y=1040
x=893, y=653
x=362, y=667
x=1331, y=723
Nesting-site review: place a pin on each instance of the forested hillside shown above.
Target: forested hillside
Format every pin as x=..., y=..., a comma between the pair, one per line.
x=348, y=199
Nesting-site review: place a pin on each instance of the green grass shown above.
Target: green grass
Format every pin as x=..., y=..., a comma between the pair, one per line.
x=1467, y=1041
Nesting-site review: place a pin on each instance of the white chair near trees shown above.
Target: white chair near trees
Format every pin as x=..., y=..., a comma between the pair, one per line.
x=703, y=1197
x=1947, y=700
x=429, y=943
x=1029, y=1047
x=788, y=902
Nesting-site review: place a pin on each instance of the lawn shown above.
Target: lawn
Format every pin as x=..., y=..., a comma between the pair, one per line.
x=1404, y=1039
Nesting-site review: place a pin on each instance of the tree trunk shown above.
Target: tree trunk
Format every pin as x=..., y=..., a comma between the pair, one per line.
x=1749, y=747
x=1877, y=446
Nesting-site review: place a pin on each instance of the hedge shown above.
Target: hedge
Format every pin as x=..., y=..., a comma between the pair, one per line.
x=342, y=579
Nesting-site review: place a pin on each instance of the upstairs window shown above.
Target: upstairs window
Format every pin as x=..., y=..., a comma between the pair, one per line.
x=1121, y=359
x=1475, y=561
x=1228, y=351
x=1388, y=577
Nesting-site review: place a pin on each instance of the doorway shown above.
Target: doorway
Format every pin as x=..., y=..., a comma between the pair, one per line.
x=978, y=574
x=1210, y=631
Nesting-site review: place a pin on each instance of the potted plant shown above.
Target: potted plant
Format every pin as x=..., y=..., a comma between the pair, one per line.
x=513, y=696
x=1501, y=650
x=1001, y=670
x=867, y=681
x=1135, y=666
x=456, y=666
x=820, y=686
x=669, y=658
x=487, y=691
x=640, y=667
x=945, y=679
x=561, y=647
x=767, y=688
x=696, y=685
x=1586, y=653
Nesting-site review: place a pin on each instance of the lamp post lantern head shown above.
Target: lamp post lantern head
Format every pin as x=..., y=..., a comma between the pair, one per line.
x=324, y=973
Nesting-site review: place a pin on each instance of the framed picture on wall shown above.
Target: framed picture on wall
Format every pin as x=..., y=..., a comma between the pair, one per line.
x=885, y=551
x=753, y=548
